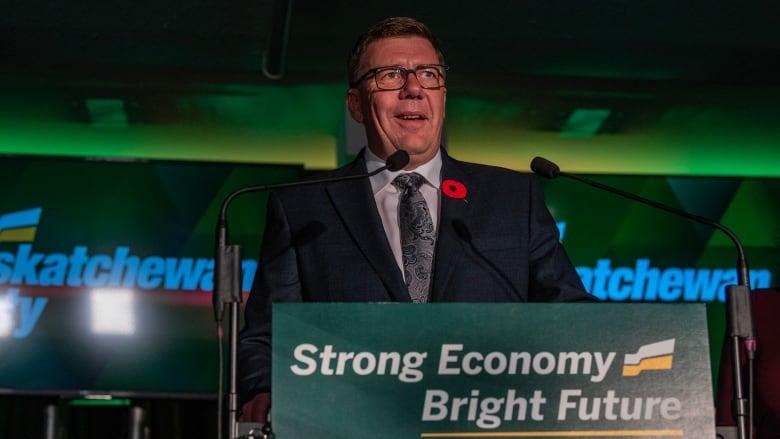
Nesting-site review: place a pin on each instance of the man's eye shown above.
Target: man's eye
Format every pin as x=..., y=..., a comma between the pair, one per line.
x=392, y=74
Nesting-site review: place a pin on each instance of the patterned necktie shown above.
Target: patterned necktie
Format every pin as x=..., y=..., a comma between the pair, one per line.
x=417, y=236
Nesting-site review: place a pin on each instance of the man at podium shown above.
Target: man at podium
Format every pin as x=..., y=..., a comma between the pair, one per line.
x=437, y=230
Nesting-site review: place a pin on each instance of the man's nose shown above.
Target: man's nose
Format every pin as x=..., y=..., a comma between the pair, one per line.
x=412, y=86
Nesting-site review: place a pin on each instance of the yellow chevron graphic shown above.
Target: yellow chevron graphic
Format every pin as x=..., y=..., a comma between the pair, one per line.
x=21, y=234
x=654, y=356
x=657, y=363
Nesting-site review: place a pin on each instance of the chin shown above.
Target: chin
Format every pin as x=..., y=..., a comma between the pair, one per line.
x=422, y=150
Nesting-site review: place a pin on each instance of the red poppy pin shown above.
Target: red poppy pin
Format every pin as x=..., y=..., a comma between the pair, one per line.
x=454, y=189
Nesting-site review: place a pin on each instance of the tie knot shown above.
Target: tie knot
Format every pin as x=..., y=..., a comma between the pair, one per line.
x=411, y=180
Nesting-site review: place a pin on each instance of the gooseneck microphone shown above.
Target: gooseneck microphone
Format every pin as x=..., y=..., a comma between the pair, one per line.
x=224, y=281
x=737, y=297
x=548, y=169
x=227, y=279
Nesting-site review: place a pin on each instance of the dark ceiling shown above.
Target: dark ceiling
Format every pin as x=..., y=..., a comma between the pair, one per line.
x=218, y=41
x=680, y=53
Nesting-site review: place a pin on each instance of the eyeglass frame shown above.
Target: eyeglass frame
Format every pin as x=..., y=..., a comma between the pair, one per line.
x=376, y=70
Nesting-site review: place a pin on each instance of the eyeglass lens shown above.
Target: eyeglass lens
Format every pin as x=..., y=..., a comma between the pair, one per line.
x=395, y=77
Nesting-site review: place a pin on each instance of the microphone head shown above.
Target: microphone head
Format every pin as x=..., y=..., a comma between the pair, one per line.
x=544, y=167
x=397, y=160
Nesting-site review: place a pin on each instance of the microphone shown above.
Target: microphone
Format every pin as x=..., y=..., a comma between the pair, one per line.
x=550, y=170
x=225, y=281
x=227, y=276
x=738, y=297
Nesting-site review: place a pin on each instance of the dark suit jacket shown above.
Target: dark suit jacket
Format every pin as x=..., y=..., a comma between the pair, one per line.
x=325, y=243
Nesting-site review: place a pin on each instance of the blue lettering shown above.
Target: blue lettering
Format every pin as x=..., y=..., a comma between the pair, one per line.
x=207, y=281
x=646, y=279
x=54, y=268
x=6, y=269
x=29, y=311
x=642, y=282
x=760, y=278
x=600, y=275
x=124, y=270
x=561, y=229
x=249, y=267
x=151, y=272
x=97, y=271
x=24, y=268
x=670, y=285
x=184, y=273
x=729, y=277
x=78, y=258
x=701, y=284
x=620, y=283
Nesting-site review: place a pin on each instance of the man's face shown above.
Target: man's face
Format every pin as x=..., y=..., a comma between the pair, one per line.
x=411, y=118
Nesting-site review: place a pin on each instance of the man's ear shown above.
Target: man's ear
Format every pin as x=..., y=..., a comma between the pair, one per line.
x=353, y=105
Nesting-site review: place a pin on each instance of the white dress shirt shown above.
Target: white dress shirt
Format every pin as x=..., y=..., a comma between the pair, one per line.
x=387, y=196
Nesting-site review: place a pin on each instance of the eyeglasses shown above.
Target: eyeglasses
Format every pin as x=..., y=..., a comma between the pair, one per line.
x=395, y=77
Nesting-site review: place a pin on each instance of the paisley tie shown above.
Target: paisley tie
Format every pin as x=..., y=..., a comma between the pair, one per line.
x=417, y=236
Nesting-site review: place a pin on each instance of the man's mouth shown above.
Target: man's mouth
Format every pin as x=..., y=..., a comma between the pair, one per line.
x=411, y=117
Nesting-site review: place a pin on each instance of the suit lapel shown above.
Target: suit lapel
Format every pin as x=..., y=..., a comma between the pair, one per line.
x=449, y=247
x=355, y=204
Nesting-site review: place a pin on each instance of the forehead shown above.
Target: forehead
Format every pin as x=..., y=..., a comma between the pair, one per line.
x=405, y=51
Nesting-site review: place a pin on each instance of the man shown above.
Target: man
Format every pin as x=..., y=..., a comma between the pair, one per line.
x=494, y=239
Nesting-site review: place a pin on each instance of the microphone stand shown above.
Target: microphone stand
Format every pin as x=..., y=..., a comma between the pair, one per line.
x=739, y=314
x=227, y=291
x=740, y=319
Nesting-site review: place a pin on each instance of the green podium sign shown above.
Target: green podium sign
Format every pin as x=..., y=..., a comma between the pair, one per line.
x=456, y=370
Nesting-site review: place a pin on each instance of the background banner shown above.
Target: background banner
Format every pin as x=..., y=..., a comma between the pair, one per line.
x=106, y=272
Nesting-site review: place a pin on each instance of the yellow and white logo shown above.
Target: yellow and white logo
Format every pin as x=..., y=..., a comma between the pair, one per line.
x=20, y=226
x=654, y=356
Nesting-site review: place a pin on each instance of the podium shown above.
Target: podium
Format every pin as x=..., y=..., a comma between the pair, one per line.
x=459, y=370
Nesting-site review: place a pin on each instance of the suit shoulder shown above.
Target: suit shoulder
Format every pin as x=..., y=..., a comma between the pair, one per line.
x=493, y=172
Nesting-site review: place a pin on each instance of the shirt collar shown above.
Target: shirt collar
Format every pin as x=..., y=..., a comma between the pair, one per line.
x=431, y=171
